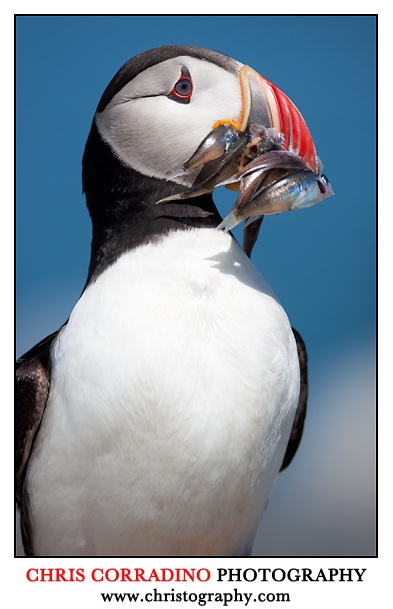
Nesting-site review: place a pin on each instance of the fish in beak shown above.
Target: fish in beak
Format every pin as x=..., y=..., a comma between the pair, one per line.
x=267, y=154
x=275, y=182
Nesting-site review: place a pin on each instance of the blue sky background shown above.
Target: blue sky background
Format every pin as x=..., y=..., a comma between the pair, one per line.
x=320, y=261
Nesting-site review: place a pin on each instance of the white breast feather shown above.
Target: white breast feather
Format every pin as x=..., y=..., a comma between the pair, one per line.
x=174, y=386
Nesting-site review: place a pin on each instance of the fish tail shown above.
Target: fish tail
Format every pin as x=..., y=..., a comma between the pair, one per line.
x=229, y=222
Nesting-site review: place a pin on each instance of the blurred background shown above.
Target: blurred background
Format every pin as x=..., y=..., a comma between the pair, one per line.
x=320, y=262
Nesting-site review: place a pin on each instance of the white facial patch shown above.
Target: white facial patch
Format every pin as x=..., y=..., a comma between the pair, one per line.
x=154, y=134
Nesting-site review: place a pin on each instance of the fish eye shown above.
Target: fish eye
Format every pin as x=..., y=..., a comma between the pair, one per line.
x=182, y=91
x=323, y=183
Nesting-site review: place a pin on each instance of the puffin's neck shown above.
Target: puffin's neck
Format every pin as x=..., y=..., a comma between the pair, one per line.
x=123, y=206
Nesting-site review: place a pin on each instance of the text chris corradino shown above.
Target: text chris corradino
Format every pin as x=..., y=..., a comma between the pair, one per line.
x=134, y=575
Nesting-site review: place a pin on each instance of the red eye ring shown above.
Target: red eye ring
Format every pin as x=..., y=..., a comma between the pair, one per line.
x=183, y=88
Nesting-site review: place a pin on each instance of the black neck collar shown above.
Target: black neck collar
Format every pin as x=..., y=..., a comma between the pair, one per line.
x=122, y=206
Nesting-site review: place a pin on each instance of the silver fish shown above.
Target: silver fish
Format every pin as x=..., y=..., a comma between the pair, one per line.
x=219, y=142
x=292, y=190
x=218, y=156
x=223, y=151
x=252, y=176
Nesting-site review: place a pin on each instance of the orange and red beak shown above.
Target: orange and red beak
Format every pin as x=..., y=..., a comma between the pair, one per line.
x=265, y=104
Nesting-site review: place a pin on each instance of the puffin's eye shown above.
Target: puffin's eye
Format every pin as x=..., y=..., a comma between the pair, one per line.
x=182, y=91
x=183, y=87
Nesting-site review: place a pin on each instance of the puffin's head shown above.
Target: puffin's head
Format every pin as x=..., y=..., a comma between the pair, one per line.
x=162, y=104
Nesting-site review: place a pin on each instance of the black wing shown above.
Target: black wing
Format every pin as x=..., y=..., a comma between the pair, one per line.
x=31, y=394
x=298, y=423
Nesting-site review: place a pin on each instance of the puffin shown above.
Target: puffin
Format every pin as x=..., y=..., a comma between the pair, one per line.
x=155, y=421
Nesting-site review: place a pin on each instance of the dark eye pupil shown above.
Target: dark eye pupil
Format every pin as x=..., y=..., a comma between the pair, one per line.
x=183, y=87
